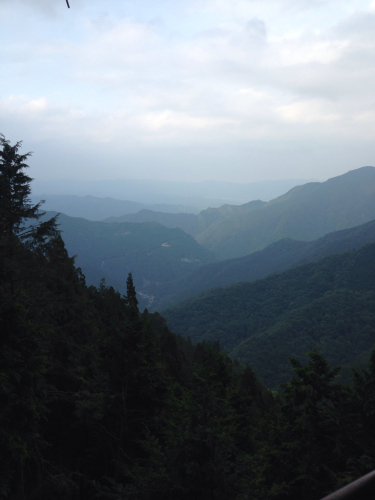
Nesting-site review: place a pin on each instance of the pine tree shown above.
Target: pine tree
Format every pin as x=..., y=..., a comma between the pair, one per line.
x=23, y=338
x=17, y=212
x=15, y=204
x=131, y=298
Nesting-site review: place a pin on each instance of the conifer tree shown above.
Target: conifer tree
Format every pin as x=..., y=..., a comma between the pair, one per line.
x=15, y=204
x=131, y=295
x=131, y=298
x=23, y=341
x=17, y=212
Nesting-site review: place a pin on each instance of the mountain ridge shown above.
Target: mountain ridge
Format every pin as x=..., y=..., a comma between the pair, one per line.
x=328, y=304
x=275, y=258
x=306, y=212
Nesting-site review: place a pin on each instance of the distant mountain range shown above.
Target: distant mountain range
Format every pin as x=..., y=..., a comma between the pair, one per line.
x=329, y=305
x=304, y=213
x=190, y=223
x=199, y=195
x=96, y=209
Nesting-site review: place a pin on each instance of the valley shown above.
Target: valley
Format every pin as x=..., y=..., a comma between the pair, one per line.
x=215, y=398
x=279, y=300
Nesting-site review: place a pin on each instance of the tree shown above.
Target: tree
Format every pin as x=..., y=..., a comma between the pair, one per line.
x=131, y=298
x=16, y=209
x=23, y=340
x=313, y=439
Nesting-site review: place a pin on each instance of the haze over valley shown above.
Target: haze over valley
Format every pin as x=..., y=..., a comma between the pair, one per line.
x=165, y=262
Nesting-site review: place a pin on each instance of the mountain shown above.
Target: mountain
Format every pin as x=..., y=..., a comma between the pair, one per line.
x=190, y=223
x=209, y=193
x=153, y=253
x=95, y=208
x=275, y=258
x=187, y=222
x=304, y=213
x=329, y=304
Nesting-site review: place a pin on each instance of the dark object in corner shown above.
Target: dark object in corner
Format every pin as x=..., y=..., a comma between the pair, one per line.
x=67, y=3
x=361, y=489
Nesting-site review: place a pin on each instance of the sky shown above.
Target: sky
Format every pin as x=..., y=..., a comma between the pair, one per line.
x=232, y=90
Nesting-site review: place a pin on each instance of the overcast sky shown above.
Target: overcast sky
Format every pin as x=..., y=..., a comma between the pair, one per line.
x=237, y=90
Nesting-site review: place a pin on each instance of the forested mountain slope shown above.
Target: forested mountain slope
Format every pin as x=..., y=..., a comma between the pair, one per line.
x=275, y=258
x=153, y=253
x=190, y=223
x=99, y=401
x=304, y=213
x=329, y=304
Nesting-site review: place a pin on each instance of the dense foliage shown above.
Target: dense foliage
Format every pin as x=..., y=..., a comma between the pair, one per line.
x=100, y=401
x=277, y=257
x=329, y=304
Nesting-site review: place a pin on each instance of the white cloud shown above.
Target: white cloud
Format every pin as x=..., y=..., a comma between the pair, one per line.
x=221, y=73
x=307, y=112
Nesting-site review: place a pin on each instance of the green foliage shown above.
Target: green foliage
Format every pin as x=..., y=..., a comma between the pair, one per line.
x=277, y=257
x=329, y=304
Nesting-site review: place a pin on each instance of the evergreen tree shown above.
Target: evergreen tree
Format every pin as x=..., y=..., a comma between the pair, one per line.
x=17, y=213
x=15, y=204
x=23, y=339
x=131, y=298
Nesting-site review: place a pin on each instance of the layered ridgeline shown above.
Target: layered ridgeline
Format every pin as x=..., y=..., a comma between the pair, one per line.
x=199, y=195
x=96, y=208
x=275, y=258
x=154, y=254
x=329, y=304
x=191, y=223
x=304, y=213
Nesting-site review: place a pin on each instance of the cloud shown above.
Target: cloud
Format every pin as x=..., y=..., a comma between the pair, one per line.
x=219, y=75
x=308, y=112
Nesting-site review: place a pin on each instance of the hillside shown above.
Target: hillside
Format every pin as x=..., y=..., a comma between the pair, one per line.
x=190, y=223
x=153, y=253
x=304, y=213
x=329, y=304
x=275, y=258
